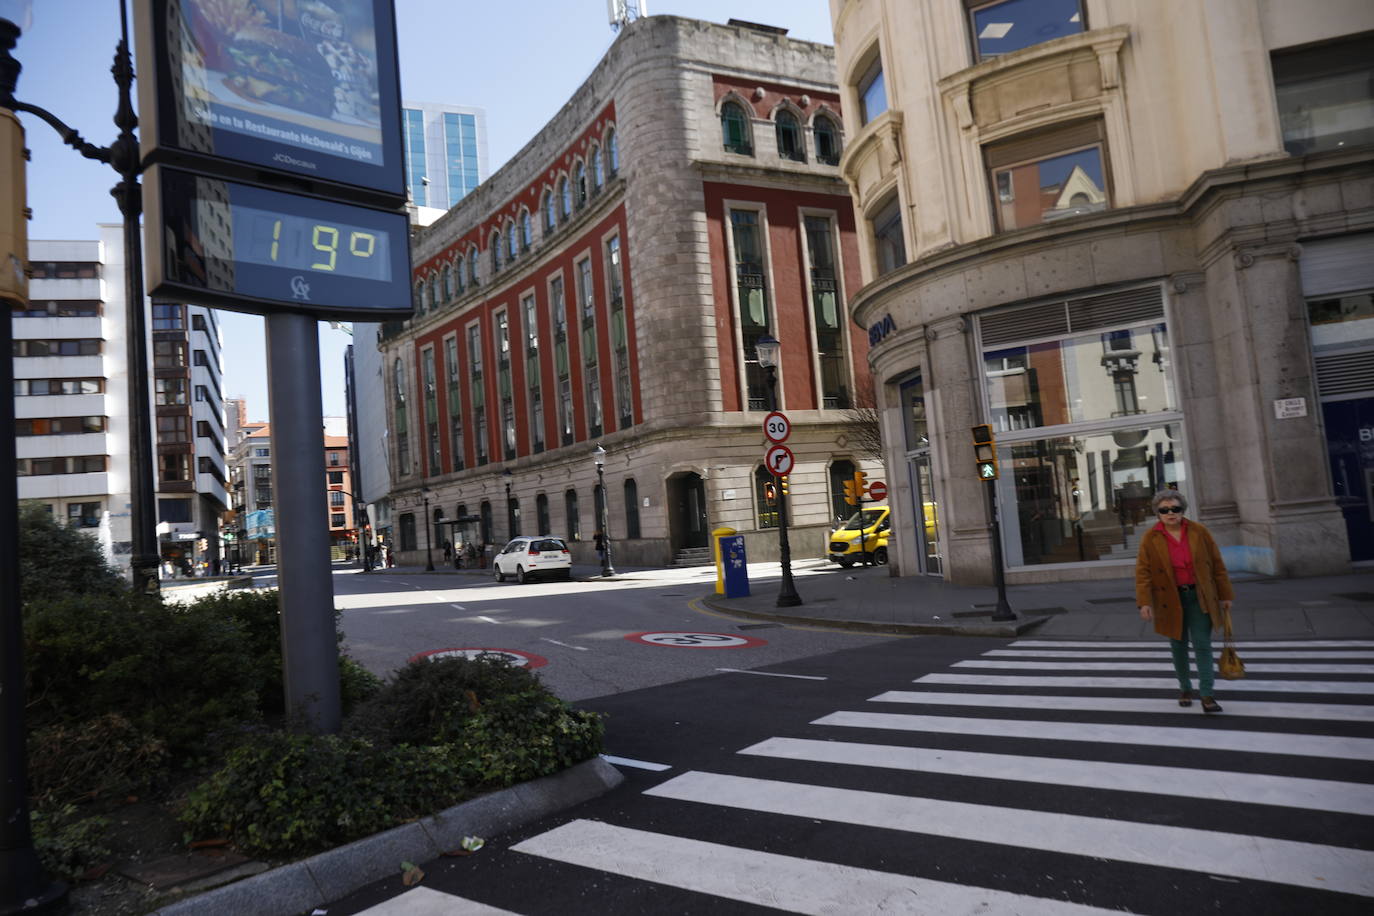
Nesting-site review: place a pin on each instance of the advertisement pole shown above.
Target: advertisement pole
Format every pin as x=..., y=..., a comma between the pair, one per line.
x=310, y=653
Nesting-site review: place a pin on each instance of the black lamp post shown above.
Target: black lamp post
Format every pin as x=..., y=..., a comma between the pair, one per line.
x=506, y=478
x=429, y=532
x=768, y=350
x=607, y=568
x=123, y=155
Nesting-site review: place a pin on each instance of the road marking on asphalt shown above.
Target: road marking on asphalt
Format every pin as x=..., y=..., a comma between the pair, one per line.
x=1245, y=742
x=801, y=677
x=564, y=644
x=637, y=764
x=486, y=619
x=1163, y=652
x=1251, y=666
x=779, y=882
x=1330, y=868
x=1250, y=788
x=424, y=901
x=1333, y=712
x=817, y=627
x=1155, y=644
x=458, y=606
x=1141, y=683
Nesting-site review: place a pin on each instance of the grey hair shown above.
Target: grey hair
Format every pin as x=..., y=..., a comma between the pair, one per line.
x=1168, y=494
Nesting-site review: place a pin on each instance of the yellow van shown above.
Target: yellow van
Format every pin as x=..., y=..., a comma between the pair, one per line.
x=864, y=533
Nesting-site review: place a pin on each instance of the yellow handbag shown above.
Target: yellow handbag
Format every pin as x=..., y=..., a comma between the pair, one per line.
x=1229, y=665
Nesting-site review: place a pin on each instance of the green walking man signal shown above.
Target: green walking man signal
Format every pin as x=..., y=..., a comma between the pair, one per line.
x=985, y=452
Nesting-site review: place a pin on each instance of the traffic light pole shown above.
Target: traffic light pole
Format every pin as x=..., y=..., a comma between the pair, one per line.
x=1003, y=611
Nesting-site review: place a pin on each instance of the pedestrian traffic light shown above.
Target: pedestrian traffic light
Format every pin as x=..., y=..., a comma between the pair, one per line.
x=782, y=483
x=985, y=452
x=860, y=485
x=770, y=492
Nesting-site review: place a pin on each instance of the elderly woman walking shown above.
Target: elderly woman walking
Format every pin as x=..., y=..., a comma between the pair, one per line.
x=1181, y=584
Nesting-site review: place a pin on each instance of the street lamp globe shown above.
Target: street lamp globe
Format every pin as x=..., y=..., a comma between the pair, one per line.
x=768, y=350
x=599, y=457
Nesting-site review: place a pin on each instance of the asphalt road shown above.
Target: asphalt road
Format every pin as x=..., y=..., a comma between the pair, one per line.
x=942, y=775
x=574, y=632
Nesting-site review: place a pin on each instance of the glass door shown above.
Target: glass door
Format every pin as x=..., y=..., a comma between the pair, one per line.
x=925, y=507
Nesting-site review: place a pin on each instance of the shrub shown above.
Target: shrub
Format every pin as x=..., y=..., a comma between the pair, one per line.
x=56, y=561
x=104, y=755
x=524, y=736
x=289, y=794
x=179, y=674
x=428, y=702
x=66, y=844
x=357, y=685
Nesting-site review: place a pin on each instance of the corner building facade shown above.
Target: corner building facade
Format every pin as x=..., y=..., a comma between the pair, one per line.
x=1136, y=238
x=607, y=286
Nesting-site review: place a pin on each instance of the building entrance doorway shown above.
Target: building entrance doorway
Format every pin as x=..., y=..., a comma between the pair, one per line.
x=687, y=522
x=1350, y=445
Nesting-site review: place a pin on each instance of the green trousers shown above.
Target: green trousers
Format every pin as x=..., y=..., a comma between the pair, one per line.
x=1197, y=627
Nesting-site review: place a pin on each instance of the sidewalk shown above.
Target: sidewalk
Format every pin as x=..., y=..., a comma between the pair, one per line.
x=1332, y=607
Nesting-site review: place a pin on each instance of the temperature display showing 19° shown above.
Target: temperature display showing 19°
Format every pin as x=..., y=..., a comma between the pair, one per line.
x=276, y=239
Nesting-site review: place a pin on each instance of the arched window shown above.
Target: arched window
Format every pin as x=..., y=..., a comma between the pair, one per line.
x=565, y=197
x=598, y=169
x=459, y=270
x=472, y=265
x=574, y=521
x=580, y=185
x=398, y=377
x=526, y=230
x=420, y=296
x=541, y=513
x=789, y=133
x=433, y=290
x=512, y=243
x=550, y=217
x=734, y=127
x=495, y=245
x=447, y=282
x=827, y=137
x=765, y=483
x=631, y=508
x=612, y=151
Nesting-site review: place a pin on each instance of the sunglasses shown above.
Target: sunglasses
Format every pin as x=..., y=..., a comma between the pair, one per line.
x=1167, y=510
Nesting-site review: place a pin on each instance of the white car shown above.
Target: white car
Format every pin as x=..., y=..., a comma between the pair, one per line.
x=526, y=558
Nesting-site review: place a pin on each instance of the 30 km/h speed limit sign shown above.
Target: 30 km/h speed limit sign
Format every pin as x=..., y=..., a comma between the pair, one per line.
x=779, y=460
x=777, y=427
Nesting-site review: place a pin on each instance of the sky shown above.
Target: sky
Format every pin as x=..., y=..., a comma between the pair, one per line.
x=451, y=51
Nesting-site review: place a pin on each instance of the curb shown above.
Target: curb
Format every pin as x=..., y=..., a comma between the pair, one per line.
x=321, y=879
x=1004, y=630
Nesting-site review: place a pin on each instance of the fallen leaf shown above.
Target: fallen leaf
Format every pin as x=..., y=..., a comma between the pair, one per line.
x=473, y=843
x=411, y=874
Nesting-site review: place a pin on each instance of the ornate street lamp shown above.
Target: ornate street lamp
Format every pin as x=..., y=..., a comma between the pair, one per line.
x=769, y=349
x=507, y=477
x=599, y=456
x=425, y=493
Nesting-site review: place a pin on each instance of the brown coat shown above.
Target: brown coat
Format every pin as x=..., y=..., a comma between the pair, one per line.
x=1154, y=579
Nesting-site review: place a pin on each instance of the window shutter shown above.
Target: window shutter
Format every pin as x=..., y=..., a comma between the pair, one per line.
x=1345, y=373
x=1057, y=319
x=1339, y=265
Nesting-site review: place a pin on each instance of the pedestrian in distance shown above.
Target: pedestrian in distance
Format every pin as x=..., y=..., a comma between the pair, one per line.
x=1181, y=584
x=600, y=543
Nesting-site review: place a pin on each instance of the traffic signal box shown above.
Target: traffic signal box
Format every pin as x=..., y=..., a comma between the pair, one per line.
x=782, y=483
x=985, y=452
x=770, y=492
x=855, y=487
x=14, y=233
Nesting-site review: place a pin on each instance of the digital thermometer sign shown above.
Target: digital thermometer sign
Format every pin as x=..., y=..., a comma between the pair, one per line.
x=253, y=249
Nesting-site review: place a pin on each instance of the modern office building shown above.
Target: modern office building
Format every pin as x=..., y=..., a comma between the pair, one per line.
x=445, y=152
x=70, y=390
x=71, y=403
x=1135, y=237
x=608, y=287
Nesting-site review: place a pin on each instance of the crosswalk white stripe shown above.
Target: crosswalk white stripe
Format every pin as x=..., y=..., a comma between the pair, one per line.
x=1330, y=712
x=1142, y=683
x=1163, y=652
x=772, y=880
x=1331, y=868
x=1251, y=666
x=425, y=901
x=1200, y=738
x=1155, y=643
x=1249, y=788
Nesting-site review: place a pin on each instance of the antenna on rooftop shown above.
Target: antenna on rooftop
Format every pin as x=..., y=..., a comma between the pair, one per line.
x=623, y=12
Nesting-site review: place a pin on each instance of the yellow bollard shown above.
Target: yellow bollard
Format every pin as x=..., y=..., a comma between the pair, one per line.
x=716, y=535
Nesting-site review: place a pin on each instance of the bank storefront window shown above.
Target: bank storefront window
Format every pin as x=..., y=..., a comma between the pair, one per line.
x=1081, y=394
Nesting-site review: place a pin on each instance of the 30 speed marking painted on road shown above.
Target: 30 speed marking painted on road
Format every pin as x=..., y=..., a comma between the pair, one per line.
x=697, y=640
x=510, y=656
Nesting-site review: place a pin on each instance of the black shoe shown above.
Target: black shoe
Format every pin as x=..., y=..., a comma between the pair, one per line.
x=1185, y=698
x=1210, y=705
